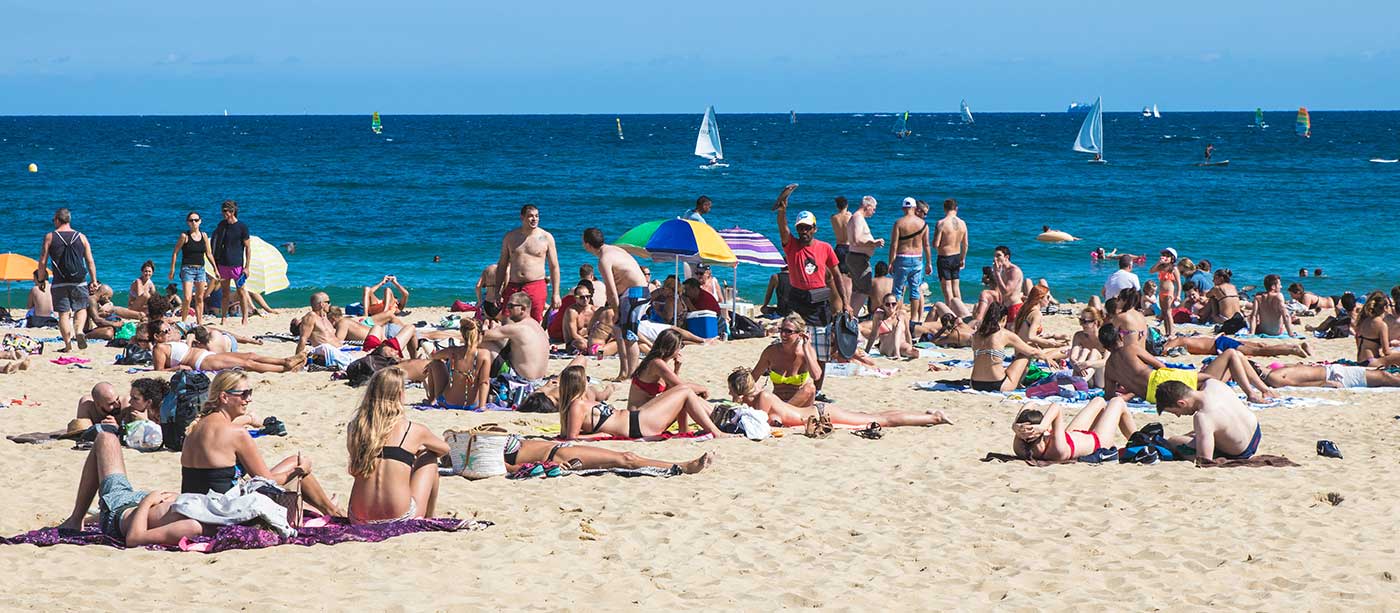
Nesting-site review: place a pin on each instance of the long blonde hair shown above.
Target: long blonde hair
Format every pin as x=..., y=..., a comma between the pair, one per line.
x=573, y=382
x=223, y=382
x=380, y=410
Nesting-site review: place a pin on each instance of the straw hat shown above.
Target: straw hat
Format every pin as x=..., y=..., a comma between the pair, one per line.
x=76, y=428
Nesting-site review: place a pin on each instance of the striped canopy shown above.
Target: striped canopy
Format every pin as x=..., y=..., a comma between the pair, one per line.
x=751, y=247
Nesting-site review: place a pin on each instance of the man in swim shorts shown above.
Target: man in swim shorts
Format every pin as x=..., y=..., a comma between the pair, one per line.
x=842, y=247
x=950, y=245
x=1008, y=278
x=626, y=289
x=863, y=246
x=909, y=257
x=1222, y=426
x=1130, y=365
x=1330, y=375
x=233, y=251
x=522, y=340
x=525, y=253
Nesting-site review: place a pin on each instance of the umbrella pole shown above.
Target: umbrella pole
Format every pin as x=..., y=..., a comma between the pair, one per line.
x=676, y=297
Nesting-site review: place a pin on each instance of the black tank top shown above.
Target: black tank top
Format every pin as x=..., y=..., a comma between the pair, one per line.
x=192, y=254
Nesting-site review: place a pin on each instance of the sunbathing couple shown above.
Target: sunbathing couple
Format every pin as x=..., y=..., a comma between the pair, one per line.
x=1130, y=366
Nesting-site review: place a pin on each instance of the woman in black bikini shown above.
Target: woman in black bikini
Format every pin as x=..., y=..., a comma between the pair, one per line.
x=218, y=447
x=989, y=345
x=580, y=418
x=393, y=460
x=1372, y=335
x=1223, y=300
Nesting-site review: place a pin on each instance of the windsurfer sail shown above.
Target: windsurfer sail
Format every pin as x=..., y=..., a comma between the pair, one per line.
x=619, y=130
x=901, y=125
x=966, y=112
x=1090, y=139
x=1259, y=118
x=1304, y=126
x=375, y=125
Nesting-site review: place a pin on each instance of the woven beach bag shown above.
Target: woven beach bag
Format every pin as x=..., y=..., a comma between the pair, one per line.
x=485, y=453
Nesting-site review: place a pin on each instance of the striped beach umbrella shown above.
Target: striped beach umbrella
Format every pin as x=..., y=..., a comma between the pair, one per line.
x=752, y=248
x=267, y=272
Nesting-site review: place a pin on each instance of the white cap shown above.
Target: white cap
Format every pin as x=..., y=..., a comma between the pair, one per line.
x=1171, y=251
x=909, y=203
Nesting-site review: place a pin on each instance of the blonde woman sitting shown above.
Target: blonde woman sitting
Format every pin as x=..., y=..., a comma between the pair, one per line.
x=393, y=460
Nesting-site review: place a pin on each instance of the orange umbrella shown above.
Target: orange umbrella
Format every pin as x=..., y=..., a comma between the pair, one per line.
x=15, y=267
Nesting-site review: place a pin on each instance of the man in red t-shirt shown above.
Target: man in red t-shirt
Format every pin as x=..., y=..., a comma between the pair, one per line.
x=812, y=266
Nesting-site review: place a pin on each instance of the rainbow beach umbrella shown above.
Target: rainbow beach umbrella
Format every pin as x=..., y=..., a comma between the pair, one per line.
x=677, y=240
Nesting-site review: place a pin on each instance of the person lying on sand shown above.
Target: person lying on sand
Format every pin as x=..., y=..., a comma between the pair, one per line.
x=519, y=452
x=214, y=340
x=1309, y=300
x=659, y=371
x=582, y=418
x=102, y=405
x=1046, y=436
x=743, y=390
x=383, y=326
x=1222, y=427
x=949, y=332
x=1213, y=345
x=391, y=304
x=1330, y=375
x=393, y=460
x=1131, y=367
x=168, y=352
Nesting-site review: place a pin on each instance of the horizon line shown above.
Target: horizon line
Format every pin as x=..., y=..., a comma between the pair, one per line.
x=951, y=112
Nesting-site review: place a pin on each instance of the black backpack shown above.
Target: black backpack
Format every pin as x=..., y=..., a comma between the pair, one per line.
x=71, y=265
x=744, y=327
x=359, y=372
x=188, y=391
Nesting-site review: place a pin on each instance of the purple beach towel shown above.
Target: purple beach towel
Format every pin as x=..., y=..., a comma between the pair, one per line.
x=228, y=538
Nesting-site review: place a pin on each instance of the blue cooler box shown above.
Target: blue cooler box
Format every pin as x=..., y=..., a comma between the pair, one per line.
x=704, y=324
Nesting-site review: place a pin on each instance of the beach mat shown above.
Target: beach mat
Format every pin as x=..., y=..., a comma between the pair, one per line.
x=318, y=531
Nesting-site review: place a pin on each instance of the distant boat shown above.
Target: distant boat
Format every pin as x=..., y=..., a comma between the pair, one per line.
x=1078, y=107
x=1151, y=111
x=374, y=124
x=1259, y=119
x=1303, y=127
x=707, y=143
x=901, y=125
x=1155, y=113
x=792, y=117
x=619, y=130
x=1090, y=139
x=966, y=112
x=225, y=112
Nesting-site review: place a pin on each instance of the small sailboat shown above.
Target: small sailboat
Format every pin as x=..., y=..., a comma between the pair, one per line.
x=901, y=125
x=1146, y=111
x=707, y=143
x=225, y=112
x=792, y=118
x=1259, y=119
x=374, y=124
x=1155, y=113
x=619, y=130
x=1090, y=139
x=1151, y=111
x=1303, y=127
x=966, y=112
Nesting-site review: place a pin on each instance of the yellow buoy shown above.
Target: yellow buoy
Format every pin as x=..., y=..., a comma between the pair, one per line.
x=33, y=167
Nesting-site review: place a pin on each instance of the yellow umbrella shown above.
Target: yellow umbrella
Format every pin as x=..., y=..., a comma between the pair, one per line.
x=15, y=267
x=267, y=272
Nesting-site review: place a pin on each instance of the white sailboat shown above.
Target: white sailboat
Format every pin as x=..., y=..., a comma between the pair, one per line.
x=707, y=143
x=966, y=112
x=619, y=130
x=1090, y=139
x=1155, y=113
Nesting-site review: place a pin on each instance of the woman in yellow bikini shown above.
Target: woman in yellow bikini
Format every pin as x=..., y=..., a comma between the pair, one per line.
x=791, y=364
x=782, y=414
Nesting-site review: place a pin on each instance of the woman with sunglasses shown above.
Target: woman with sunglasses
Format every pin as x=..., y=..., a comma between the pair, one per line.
x=170, y=352
x=218, y=448
x=791, y=363
x=194, y=250
x=1086, y=354
x=890, y=326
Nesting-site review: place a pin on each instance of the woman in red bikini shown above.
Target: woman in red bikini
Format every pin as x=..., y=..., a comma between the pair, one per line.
x=1045, y=436
x=659, y=371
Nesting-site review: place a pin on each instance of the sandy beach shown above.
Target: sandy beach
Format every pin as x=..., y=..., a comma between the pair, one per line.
x=913, y=521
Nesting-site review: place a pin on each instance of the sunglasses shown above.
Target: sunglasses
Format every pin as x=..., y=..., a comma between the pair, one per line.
x=1086, y=321
x=787, y=331
x=515, y=306
x=244, y=394
x=194, y=220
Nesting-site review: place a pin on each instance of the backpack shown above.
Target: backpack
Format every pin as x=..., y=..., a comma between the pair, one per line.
x=509, y=390
x=1148, y=446
x=71, y=265
x=134, y=356
x=744, y=327
x=359, y=371
x=188, y=391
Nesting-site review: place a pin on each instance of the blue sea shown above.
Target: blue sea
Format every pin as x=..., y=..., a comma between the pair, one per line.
x=360, y=205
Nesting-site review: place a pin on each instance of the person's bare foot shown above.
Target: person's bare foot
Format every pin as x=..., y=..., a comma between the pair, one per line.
x=74, y=524
x=82, y=340
x=1254, y=398
x=939, y=419
x=296, y=363
x=24, y=364
x=698, y=464
x=1304, y=350
x=10, y=367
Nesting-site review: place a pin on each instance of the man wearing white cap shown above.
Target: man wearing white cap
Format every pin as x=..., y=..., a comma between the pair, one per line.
x=863, y=246
x=909, y=258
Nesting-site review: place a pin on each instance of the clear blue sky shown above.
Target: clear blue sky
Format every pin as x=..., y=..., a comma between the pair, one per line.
x=631, y=56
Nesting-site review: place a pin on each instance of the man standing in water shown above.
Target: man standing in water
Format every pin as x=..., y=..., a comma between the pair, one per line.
x=626, y=289
x=863, y=246
x=525, y=252
x=72, y=261
x=950, y=245
x=702, y=208
x=233, y=250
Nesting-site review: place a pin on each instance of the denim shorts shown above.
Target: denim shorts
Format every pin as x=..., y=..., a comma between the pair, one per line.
x=908, y=273
x=193, y=274
x=115, y=496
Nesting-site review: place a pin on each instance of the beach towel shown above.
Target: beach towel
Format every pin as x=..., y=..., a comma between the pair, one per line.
x=317, y=531
x=645, y=471
x=1257, y=461
x=490, y=406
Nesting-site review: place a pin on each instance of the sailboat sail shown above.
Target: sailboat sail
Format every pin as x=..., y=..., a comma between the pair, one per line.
x=792, y=117
x=619, y=130
x=1258, y=117
x=707, y=142
x=1304, y=125
x=1090, y=139
x=375, y=125
x=966, y=112
x=901, y=124
x=1155, y=113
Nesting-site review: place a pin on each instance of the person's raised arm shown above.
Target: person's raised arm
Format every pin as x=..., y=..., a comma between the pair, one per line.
x=552, y=257
x=781, y=207
x=402, y=290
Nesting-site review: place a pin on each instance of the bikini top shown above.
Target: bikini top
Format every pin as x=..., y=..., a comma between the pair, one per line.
x=399, y=454
x=780, y=379
x=601, y=413
x=997, y=355
x=654, y=388
x=178, y=351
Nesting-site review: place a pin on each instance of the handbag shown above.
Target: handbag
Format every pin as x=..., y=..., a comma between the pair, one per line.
x=485, y=452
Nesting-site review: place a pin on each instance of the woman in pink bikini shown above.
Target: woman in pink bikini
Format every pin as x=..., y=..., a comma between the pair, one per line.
x=659, y=371
x=1045, y=435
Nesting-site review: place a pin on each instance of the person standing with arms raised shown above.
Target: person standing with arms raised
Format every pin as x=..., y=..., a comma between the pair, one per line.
x=950, y=245
x=863, y=246
x=626, y=288
x=813, y=276
x=525, y=252
x=72, y=262
x=233, y=251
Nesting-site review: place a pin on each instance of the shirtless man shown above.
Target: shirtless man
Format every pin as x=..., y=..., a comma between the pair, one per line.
x=1213, y=345
x=1008, y=278
x=1270, y=315
x=103, y=404
x=1131, y=367
x=950, y=245
x=1222, y=427
x=525, y=252
x=40, y=304
x=142, y=288
x=863, y=246
x=909, y=257
x=585, y=273
x=626, y=289
x=843, y=242
x=521, y=342
x=488, y=296
x=316, y=327
x=576, y=320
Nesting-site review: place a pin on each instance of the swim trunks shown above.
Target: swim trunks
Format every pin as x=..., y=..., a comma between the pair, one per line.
x=1348, y=376
x=69, y=298
x=1223, y=342
x=231, y=273
x=628, y=315
x=949, y=266
x=1012, y=311
x=535, y=290
x=908, y=275
x=1252, y=448
x=115, y=496
x=1162, y=375
x=861, y=276
x=841, y=252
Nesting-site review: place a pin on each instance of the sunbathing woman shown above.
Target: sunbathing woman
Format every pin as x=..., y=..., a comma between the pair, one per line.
x=1372, y=334
x=1086, y=354
x=520, y=452
x=791, y=364
x=989, y=354
x=781, y=414
x=382, y=326
x=218, y=341
x=1028, y=323
x=890, y=325
x=660, y=371
x=393, y=460
x=459, y=377
x=168, y=352
x=1309, y=300
x=1046, y=436
x=1223, y=300
x=218, y=447
x=580, y=418
x=1330, y=375
x=949, y=332
x=1129, y=319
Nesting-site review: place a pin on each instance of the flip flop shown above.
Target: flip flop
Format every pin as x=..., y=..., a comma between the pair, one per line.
x=872, y=432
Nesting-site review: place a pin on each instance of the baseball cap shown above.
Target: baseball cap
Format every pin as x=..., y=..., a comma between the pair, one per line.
x=806, y=218
x=1170, y=251
x=908, y=203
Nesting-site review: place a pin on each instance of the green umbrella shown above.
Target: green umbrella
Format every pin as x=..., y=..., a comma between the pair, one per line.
x=634, y=241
